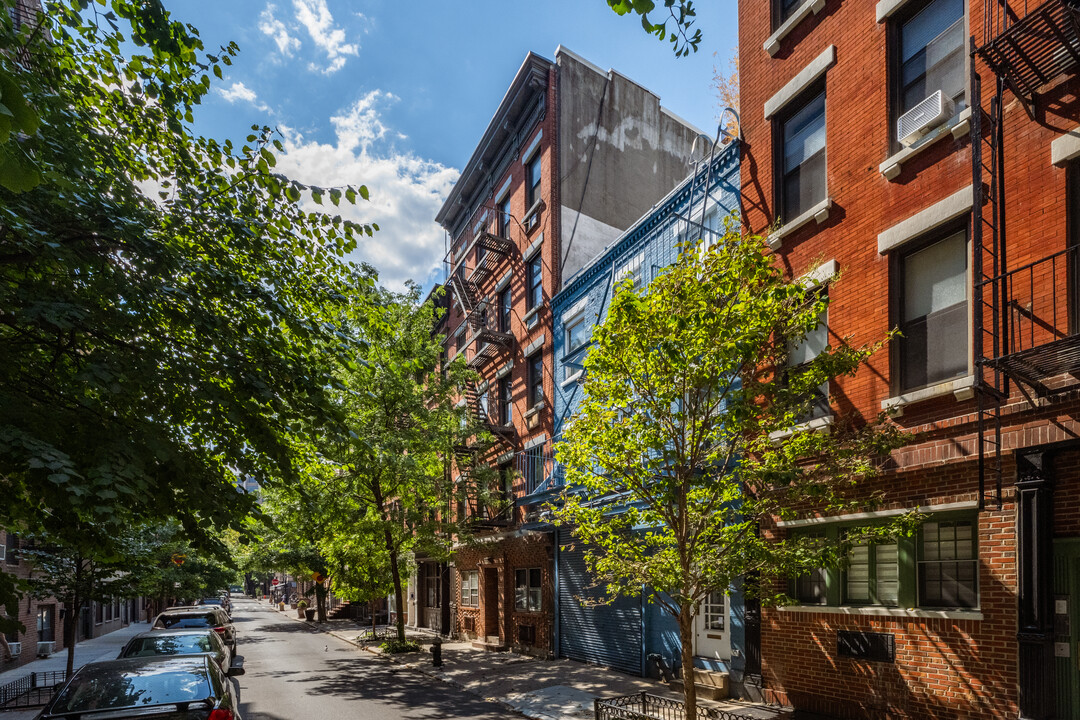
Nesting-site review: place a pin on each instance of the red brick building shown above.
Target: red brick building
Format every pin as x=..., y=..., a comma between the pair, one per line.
x=874, y=145
x=572, y=157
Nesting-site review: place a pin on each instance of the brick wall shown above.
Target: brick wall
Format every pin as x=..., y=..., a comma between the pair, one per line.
x=497, y=561
x=27, y=615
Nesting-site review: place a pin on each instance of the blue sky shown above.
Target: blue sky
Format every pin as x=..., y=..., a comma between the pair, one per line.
x=395, y=95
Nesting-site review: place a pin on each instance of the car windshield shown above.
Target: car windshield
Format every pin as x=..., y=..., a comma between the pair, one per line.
x=138, y=686
x=186, y=621
x=169, y=645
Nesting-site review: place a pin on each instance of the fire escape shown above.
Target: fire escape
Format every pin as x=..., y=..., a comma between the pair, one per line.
x=1024, y=320
x=488, y=339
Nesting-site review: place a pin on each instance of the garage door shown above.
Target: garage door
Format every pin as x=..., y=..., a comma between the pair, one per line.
x=608, y=635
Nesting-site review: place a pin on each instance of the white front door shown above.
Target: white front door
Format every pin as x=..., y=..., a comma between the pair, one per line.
x=712, y=628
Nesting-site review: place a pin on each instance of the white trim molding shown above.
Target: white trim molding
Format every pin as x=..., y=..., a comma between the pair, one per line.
x=806, y=77
x=819, y=213
x=818, y=424
x=1065, y=148
x=533, y=147
x=772, y=45
x=876, y=514
x=952, y=207
x=887, y=8
x=962, y=388
x=822, y=274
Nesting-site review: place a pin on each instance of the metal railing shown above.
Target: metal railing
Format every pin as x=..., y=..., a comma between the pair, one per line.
x=1041, y=300
x=33, y=690
x=643, y=706
x=539, y=469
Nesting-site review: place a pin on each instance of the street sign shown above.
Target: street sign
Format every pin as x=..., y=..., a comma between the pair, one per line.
x=274, y=581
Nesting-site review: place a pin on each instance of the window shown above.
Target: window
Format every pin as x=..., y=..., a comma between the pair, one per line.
x=802, y=159
x=934, y=569
x=633, y=269
x=45, y=626
x=947, y=564
x=470, y=588
x=713, y=611
x=577, y=334
x=527, y=590
x=484, y=401
x=802, y=354
x=532, y=182
x=502, y=219
x=507, y=476
x=784, y=9
x=506, y=309
x=534, y=282
x=1072, y=234
x=532, y=468
x=536, y=379
x=481, y=251
x=11, y=548
x=872, y=575
x=506, y=402
x=931, y=55
x=933, y=313
x=99, y=613
x=433, y=586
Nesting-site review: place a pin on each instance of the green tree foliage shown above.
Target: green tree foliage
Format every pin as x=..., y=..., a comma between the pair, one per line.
x=684, y=387
x=680, y=13
x=169, y=305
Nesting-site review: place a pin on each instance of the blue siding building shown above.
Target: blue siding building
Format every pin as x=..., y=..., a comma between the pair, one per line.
x=627, y=632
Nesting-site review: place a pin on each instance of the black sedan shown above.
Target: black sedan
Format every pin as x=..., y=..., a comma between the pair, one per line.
x=209, y=617
x=178, y=688
x=180, y=642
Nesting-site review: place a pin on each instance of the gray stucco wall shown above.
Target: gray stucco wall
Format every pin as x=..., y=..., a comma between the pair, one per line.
x=640, y=153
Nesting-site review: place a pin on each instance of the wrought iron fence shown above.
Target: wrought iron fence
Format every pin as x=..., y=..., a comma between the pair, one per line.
x=643, y=706
x=34, y=690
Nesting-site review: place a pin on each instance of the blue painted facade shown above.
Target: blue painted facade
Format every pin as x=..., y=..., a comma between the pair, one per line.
x=695, y=209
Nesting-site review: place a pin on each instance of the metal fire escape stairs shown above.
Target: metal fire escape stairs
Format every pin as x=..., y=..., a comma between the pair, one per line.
x=1017, y=335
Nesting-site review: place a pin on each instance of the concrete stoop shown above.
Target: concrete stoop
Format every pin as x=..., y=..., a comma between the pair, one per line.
x=490, y=644
x=710, y=684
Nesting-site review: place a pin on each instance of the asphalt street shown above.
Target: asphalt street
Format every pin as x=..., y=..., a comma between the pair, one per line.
x=295, y=672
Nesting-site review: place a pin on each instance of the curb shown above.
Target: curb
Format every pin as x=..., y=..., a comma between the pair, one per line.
x=423, y=671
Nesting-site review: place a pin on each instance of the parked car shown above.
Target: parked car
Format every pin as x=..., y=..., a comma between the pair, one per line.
x=189, y=687
x=222, y=602
x=155, y=643
x=214, y=618
x=236, y=589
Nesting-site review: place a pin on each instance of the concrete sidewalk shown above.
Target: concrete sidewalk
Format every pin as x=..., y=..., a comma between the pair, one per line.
x=541, y=689
x=106, y=647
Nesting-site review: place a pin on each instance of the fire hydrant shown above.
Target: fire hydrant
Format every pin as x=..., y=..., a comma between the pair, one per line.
x=436, y=652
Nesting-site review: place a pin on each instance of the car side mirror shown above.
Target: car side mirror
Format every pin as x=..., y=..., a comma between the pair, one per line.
x=237, y=667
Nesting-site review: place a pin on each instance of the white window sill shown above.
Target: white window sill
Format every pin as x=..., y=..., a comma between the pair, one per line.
x=871, y=611
x=527, y=220
x=772, y=45
x=817, y=424
x=819, y=213
x=959, y=126
x=962, y=388
x=535, y=409
x=573, y=378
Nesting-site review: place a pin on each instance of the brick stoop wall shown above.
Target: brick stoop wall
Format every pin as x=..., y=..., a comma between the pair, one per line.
x=504, y=556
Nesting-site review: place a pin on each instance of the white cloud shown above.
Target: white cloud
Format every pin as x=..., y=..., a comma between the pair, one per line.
x=315, y=16
x=238, y=92
x=406, y=191
x=287, y=45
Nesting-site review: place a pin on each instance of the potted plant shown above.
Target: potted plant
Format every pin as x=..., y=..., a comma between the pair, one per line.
x=300, y=608
x=310, y=613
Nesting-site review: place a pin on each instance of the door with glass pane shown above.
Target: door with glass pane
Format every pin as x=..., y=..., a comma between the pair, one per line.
x=712, y=639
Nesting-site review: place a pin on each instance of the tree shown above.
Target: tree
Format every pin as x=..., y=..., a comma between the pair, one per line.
x=170, y=308
x=386, y=480
x=726, y=81
x=681, y=14
x=686, y=417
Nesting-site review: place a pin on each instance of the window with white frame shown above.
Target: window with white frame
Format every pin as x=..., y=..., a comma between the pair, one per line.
x=713, y=611
x=577, y=334
x=634, y=268
x=527, y=590
x=470, y=588
x=933, y=312
x=802, y=353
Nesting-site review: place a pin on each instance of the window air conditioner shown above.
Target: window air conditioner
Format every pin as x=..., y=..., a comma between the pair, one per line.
x=16, y=648
x=922, y=118
x=45, y=649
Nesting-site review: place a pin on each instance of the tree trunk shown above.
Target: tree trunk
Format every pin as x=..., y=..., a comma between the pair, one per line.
x=320, y=601
x=71, y=624
x=686, y=635
x=399, y=596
